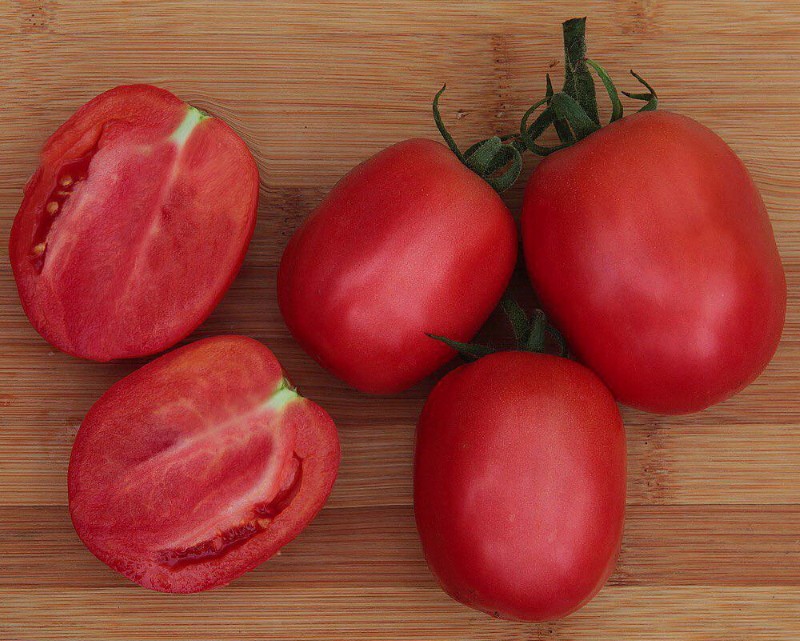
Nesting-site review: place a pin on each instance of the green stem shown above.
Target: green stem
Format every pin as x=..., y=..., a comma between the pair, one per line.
x=578, y=81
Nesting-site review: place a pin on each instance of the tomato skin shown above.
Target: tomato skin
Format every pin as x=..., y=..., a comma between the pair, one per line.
x=409, y=242
x=519, y=485
x=650, y=248
x=186, y=474
x=145, y=238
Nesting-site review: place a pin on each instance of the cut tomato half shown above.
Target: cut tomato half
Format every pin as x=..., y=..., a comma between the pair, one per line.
x=134, y=225
x=199, y=466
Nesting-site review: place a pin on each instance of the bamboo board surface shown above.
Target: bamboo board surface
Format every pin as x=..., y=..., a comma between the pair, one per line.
x=712, y=541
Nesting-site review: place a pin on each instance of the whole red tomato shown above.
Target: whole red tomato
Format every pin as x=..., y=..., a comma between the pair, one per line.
x=134, y=224
x=650, y=248
x=409, y=242
x=519, y=484
x=199, y=466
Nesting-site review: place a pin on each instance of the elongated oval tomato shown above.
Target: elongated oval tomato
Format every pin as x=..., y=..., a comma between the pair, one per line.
x=409, y=242
x=134, y=224
x=519, y=484
x=651, y=249
x=199, y=466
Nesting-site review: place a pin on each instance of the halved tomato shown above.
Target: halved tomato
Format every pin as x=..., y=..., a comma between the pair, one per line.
x=199, y=466
x=134, y=224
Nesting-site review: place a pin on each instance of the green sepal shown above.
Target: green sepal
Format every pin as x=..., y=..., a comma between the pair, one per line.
x=650, y=98
x=518, y=319
x=470, y=351
x=616, y=103
x=488, y=157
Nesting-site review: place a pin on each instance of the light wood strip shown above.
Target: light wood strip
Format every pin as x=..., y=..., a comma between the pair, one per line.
x=742, y=545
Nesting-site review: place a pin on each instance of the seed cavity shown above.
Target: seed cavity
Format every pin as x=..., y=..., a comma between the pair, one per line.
x=262, y=516
x=67, y=179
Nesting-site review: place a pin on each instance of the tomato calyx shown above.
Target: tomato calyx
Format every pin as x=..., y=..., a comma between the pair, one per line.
x=497, y=160
x=530, y=332
x=573, y=111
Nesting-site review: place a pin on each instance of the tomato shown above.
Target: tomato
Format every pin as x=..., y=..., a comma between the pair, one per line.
x=134, y=224
x=519, y=484
x=651, y=249
x=409, y=242
x=199, y=466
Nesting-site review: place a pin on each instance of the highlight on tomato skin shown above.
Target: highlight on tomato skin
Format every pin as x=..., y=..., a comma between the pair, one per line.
x=134, y=224
x=199, y=466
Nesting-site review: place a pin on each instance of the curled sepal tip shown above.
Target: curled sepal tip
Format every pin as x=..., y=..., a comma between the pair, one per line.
x=650, y=98
x=498, y=160
x=470, y=351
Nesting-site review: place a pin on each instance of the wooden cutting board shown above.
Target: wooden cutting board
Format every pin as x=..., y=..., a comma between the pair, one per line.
x=712, y=540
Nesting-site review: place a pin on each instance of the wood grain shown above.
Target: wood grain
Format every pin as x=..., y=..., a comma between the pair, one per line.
x=712, y=541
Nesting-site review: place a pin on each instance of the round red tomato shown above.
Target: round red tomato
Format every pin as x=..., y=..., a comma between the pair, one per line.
x=199, y=466
x=134, y=224
x=409, y=242
x=519, y=484
x=650, y=248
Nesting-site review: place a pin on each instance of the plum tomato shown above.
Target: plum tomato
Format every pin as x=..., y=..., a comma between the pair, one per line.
x=199, y=466
x=409, y=242
x=519, y=484
x=134, y=225
x=650, y=247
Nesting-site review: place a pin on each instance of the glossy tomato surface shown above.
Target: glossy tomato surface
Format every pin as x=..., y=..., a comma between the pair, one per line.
x=134, y=224
x=409, y=242
x=519, y=484
x=199, y=466
x=651, y=249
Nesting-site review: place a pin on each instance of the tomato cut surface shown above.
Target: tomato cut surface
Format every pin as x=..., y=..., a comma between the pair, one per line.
x=134, y=224
x=199, y=466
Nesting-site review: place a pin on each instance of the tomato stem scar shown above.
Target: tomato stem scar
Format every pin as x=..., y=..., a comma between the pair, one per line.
x=282, y=396
x=193, y=118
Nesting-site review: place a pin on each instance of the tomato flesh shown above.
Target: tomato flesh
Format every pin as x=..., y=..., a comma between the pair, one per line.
x=133, y=226
x=519, y=485
x=409, y=242
x=199, y=466
x=651, y=249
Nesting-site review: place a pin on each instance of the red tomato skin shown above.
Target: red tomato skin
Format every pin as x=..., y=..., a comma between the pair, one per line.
x=147, y=243
x=651, y=249
x=162, y=406
x=409, y=242
x=519, y=485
